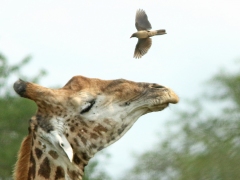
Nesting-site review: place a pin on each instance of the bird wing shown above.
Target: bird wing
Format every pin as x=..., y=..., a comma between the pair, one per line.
x=142, y=47
x=141, y=21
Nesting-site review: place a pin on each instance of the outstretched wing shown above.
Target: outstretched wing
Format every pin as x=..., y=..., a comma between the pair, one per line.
x=141, y=21
x=142, y=47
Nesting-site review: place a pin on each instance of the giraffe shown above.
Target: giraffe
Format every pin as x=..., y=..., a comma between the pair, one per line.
x=76, y=121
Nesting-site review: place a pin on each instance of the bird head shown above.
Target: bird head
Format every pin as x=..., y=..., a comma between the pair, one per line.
x=133, y=35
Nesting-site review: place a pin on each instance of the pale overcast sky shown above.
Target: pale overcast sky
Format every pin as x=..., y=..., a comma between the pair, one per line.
x=92, y=38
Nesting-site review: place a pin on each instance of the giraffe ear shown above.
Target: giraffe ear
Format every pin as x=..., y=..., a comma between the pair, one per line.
x=63, y=143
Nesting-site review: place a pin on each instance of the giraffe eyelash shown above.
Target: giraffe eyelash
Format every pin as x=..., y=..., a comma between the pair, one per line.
x=87, y=106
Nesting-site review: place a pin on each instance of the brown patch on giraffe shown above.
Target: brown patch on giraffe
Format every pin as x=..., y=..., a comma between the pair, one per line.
x=76, y=141
x=84, y=124
x=34, y=135
x=72, y=129
x=84, y=141
x=100, y=148
x=53, y=154
x=32, y=168
x=72, y=174
x=120, y=131
x=44, y=146
x=85, y=156
x=38, y=152
x=59, y=173
x=99, y=129
x=44, y=169
x=94, y=136
x=93, y=146
x=123, y=127
x=76, y=159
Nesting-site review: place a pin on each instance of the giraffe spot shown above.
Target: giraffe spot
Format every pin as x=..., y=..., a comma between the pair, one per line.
x=44, y=146
x=34, y=135
x=93, y=146
x=94, y=136
x=32, y=168
x=120, y=131
x=38, y=152
x=124, y=126
x=76, y=159
x=113, y=137
x=53, y=154
x=59, y=173
x=84, y=141
x=44, y=169
x=84, y=124
x=85, y=156
x=100, y=148
x=76, y=141
x=72, y=174
x=72, y=129
x=99, y=129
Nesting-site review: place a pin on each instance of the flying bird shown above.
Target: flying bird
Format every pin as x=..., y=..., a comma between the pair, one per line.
x=143, y=34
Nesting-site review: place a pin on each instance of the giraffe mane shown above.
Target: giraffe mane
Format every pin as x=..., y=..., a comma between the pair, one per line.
x=22, y=165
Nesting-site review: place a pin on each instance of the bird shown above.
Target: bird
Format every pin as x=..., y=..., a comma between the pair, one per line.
x=143, y=34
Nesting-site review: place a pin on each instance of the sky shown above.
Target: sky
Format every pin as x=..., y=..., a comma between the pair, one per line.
x=92, y=38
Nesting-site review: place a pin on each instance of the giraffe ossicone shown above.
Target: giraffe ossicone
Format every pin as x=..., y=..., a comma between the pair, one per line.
x=75, y=122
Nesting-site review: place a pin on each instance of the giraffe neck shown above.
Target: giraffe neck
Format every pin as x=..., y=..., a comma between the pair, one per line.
x=37, y=160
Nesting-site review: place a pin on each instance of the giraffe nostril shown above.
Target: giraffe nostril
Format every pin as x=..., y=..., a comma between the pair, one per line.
x=157, y=86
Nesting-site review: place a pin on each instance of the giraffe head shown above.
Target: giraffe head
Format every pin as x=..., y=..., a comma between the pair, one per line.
x=86, y=115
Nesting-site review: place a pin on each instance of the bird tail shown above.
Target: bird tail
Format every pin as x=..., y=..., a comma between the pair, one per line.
x=161, y=32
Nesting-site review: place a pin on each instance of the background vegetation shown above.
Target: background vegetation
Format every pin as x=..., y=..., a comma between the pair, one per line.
x=203, y=140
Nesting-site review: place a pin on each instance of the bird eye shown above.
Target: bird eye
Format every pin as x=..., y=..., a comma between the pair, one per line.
x=87, y=106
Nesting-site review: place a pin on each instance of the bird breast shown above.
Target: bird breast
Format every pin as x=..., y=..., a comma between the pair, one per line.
x=142, y=34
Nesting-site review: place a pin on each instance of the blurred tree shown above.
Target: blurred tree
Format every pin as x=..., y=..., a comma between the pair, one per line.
x=94, y=170
x=14, y=115
x=203, y=141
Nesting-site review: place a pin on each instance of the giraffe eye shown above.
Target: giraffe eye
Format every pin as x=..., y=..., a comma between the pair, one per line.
x=86, y=107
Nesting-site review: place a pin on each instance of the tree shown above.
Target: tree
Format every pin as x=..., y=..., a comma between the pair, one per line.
x=94, y=171
x=203, y=141
x=14, y=114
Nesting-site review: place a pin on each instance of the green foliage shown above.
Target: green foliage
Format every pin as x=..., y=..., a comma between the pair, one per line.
x=203, y=141
x=14, y=115
x=7, y=71
x=93, y=171
x=13, y=127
